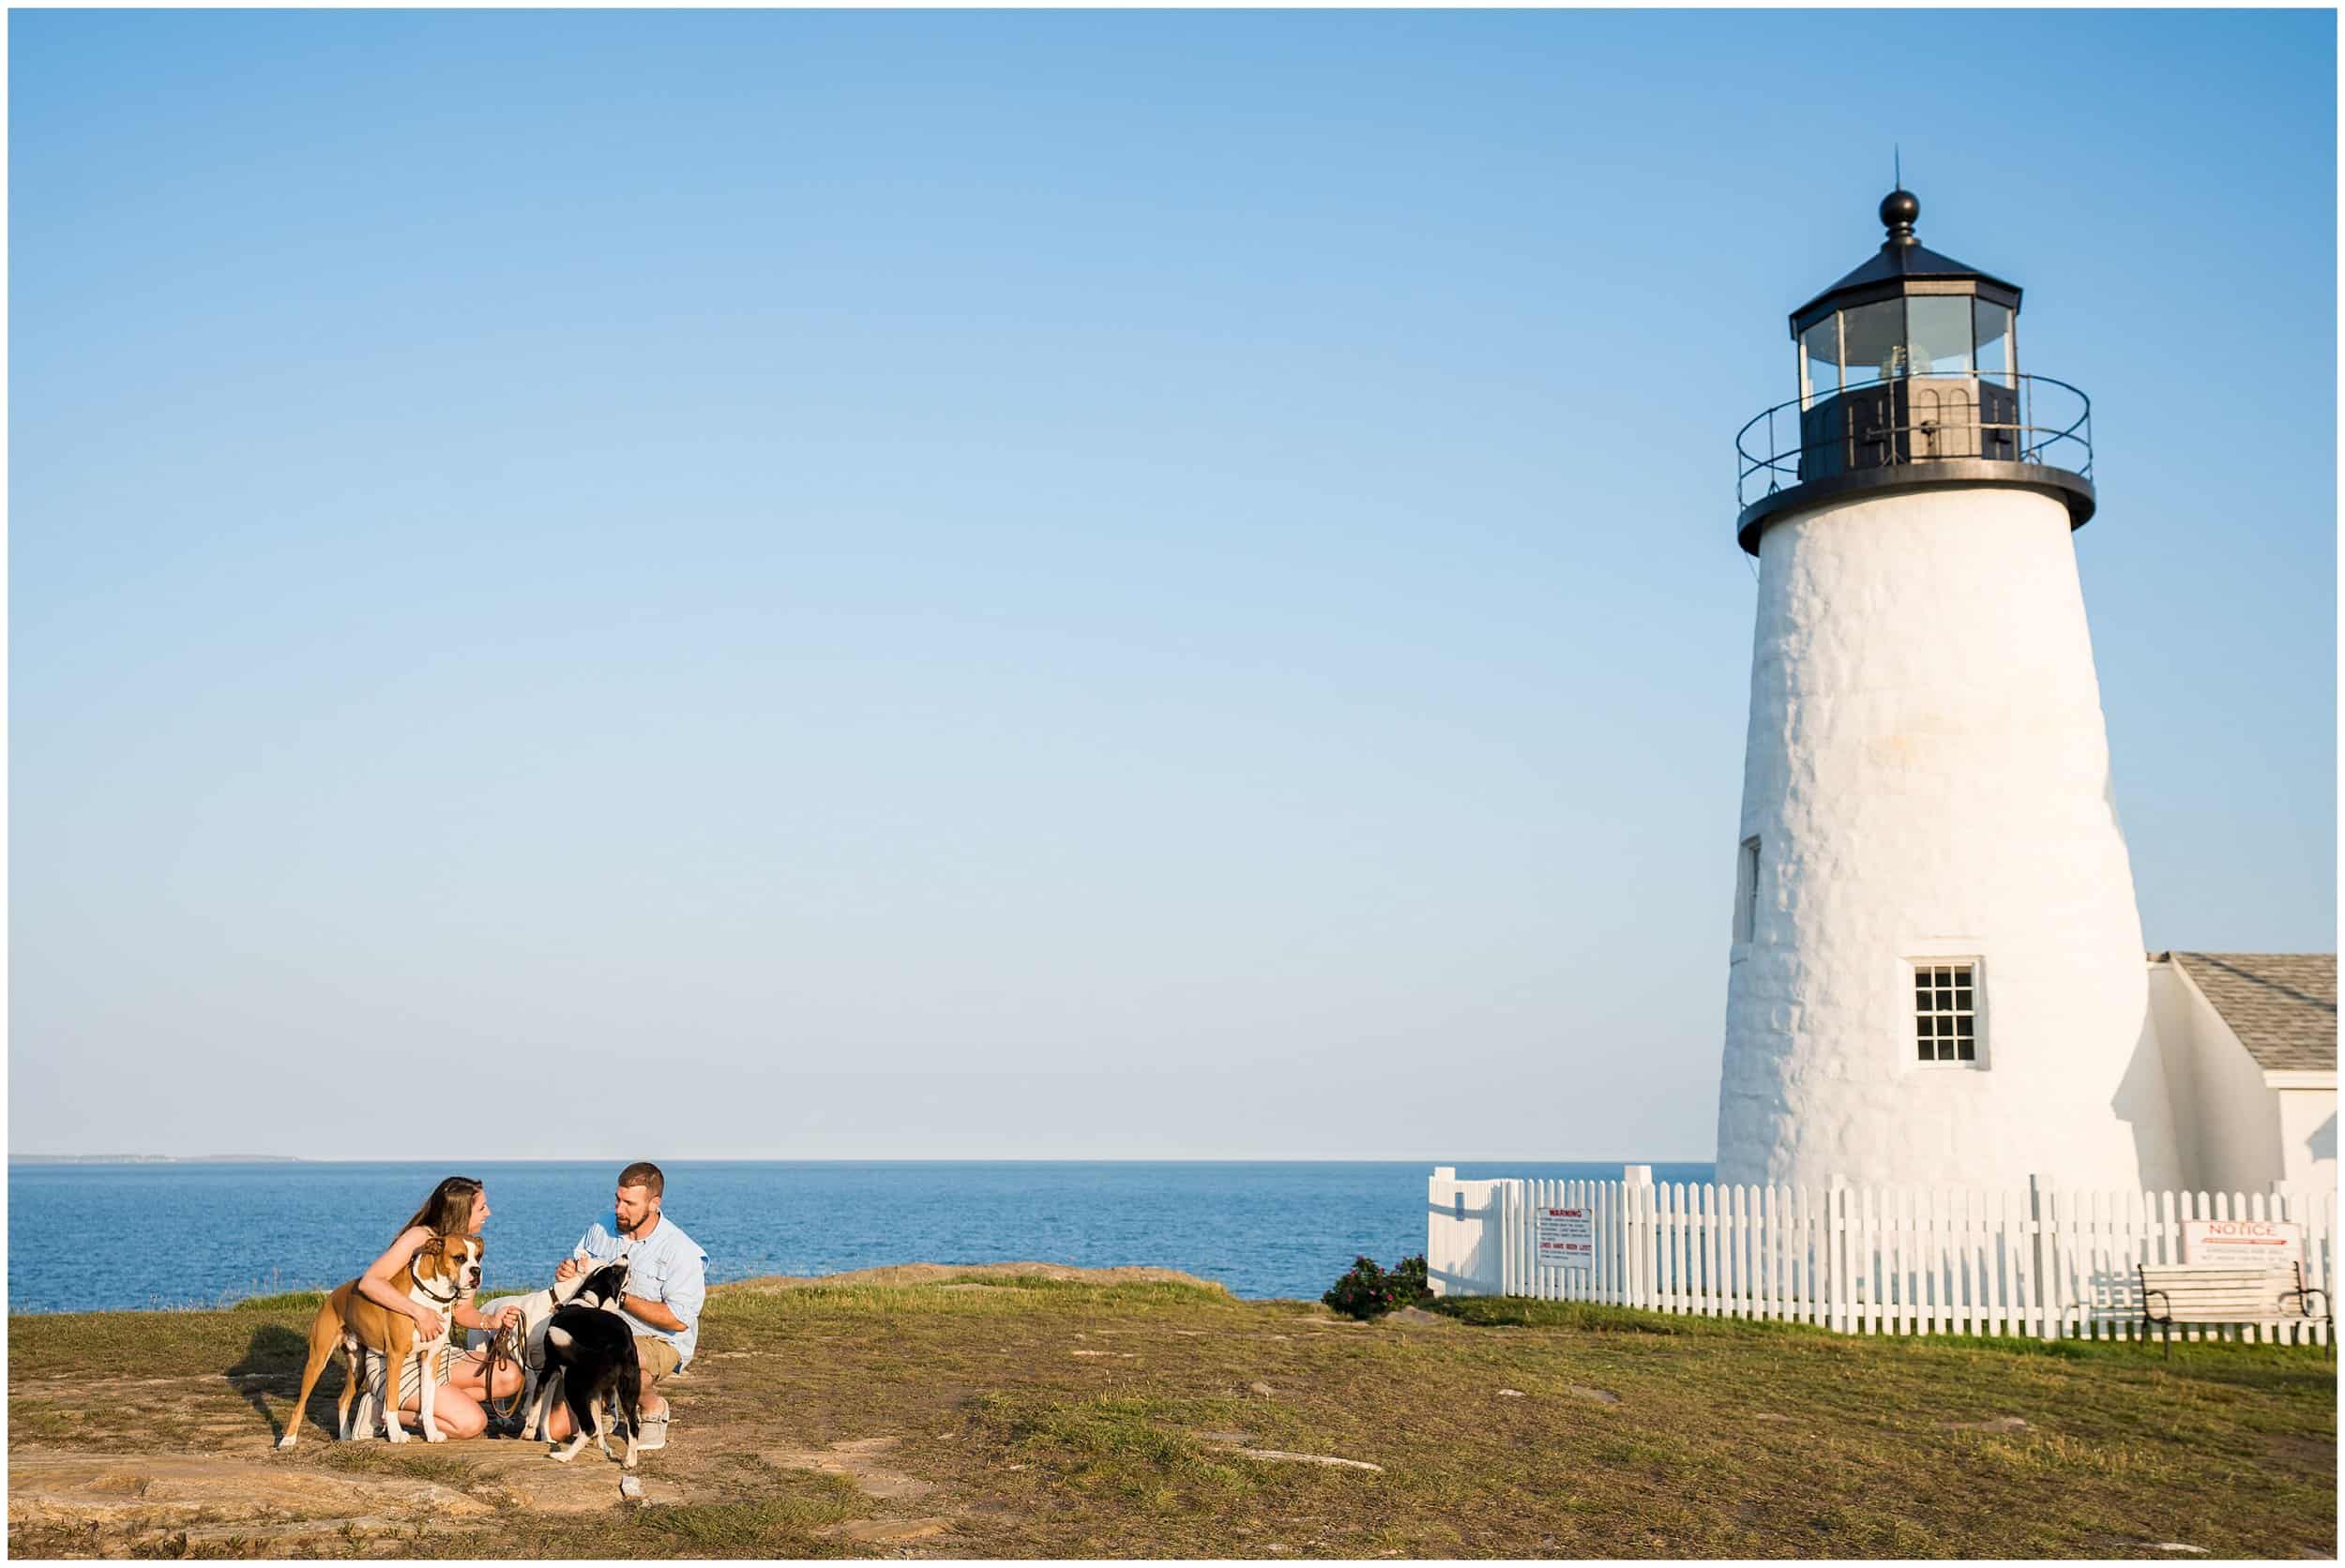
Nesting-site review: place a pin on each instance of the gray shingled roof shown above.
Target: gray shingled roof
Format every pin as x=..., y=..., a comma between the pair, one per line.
x=2281, y=1005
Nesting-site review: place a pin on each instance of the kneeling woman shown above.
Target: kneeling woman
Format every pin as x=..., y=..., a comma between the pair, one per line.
x=458, y=1207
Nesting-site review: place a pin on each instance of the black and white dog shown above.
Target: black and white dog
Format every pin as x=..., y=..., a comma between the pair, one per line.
x=592, y=1353
x=599, y=1289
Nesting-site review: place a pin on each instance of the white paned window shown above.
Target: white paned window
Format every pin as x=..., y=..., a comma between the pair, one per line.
x=1945, y=1011
x=1747, y=891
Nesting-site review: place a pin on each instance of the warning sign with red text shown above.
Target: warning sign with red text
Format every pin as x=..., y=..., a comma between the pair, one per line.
x=2247, y=1243
x=1566, y=1238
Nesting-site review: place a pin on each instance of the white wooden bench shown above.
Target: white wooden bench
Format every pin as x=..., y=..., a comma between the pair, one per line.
x=2176, y=1293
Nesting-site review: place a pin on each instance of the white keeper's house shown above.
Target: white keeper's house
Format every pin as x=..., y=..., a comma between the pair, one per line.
x=1937, y=973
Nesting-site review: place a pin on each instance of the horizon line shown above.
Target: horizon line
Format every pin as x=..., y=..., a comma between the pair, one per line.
x=15, y=1158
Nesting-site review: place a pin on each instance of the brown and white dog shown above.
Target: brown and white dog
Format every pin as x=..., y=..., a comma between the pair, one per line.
x=442, y=1271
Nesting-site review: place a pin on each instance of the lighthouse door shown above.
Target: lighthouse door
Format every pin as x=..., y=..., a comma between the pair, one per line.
x=1944, y=417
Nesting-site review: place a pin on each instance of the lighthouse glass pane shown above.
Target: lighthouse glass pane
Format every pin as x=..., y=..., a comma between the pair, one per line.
x=1820, y=359
x=1873, y=341
x=1938, y=335
x=1991, y=326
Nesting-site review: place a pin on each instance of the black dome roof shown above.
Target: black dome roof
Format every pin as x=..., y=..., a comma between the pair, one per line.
x=1901, y=260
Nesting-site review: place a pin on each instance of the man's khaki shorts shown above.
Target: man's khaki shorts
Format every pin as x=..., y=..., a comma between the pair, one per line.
x=658, y=1357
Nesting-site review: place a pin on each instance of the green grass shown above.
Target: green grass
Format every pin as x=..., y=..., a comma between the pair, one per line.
x=1588, y=1317
x=1076, y=1418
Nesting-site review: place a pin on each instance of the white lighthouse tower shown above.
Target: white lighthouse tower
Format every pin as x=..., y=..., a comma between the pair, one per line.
x=1937, y=975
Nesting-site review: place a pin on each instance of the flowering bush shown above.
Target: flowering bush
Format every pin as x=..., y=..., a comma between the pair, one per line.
x=1367, y=1291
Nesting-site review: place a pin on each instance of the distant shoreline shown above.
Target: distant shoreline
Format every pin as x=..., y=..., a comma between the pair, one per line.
x=159, y=1159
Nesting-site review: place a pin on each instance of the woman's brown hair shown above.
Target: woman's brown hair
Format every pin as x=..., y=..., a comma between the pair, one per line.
x=448, y=1210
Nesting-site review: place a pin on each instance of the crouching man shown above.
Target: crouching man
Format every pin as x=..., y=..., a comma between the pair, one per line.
x=666, y=1282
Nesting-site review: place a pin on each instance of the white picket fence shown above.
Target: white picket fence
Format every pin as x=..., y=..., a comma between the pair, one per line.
x=2041, y=1262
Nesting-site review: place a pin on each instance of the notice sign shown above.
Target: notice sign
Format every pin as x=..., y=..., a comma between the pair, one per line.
x=1567, y=1238
x=2247, y=1243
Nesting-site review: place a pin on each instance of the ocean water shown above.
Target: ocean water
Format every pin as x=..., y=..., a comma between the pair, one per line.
x=97, y=1237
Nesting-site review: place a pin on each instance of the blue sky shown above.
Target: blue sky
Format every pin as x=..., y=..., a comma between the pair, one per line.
x=1046, y=584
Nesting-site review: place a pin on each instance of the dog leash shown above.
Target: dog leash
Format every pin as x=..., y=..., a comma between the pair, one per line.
x=509, y=1345
x=503, y=1346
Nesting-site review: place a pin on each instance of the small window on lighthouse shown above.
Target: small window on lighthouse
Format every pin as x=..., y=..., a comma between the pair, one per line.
x=1945, y=1012
x=1747, y=891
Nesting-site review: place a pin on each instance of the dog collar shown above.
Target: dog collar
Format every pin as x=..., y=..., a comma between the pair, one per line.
x=435, y=1296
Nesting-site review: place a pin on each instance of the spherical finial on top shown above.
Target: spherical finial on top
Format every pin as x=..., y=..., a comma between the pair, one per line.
x=1898, y=211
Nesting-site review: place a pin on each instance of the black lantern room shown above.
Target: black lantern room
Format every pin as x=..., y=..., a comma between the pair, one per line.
x=1908, y=375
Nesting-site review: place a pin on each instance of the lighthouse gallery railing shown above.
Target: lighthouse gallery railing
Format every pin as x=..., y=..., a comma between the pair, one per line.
x=1779, y=447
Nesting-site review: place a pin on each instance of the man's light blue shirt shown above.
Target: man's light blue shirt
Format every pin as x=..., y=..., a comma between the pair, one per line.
x=667, y=1267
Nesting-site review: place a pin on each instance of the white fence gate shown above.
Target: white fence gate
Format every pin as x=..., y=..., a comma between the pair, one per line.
x=2042, y=1261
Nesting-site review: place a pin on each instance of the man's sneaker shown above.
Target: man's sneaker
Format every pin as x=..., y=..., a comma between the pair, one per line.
x=652, y=1435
